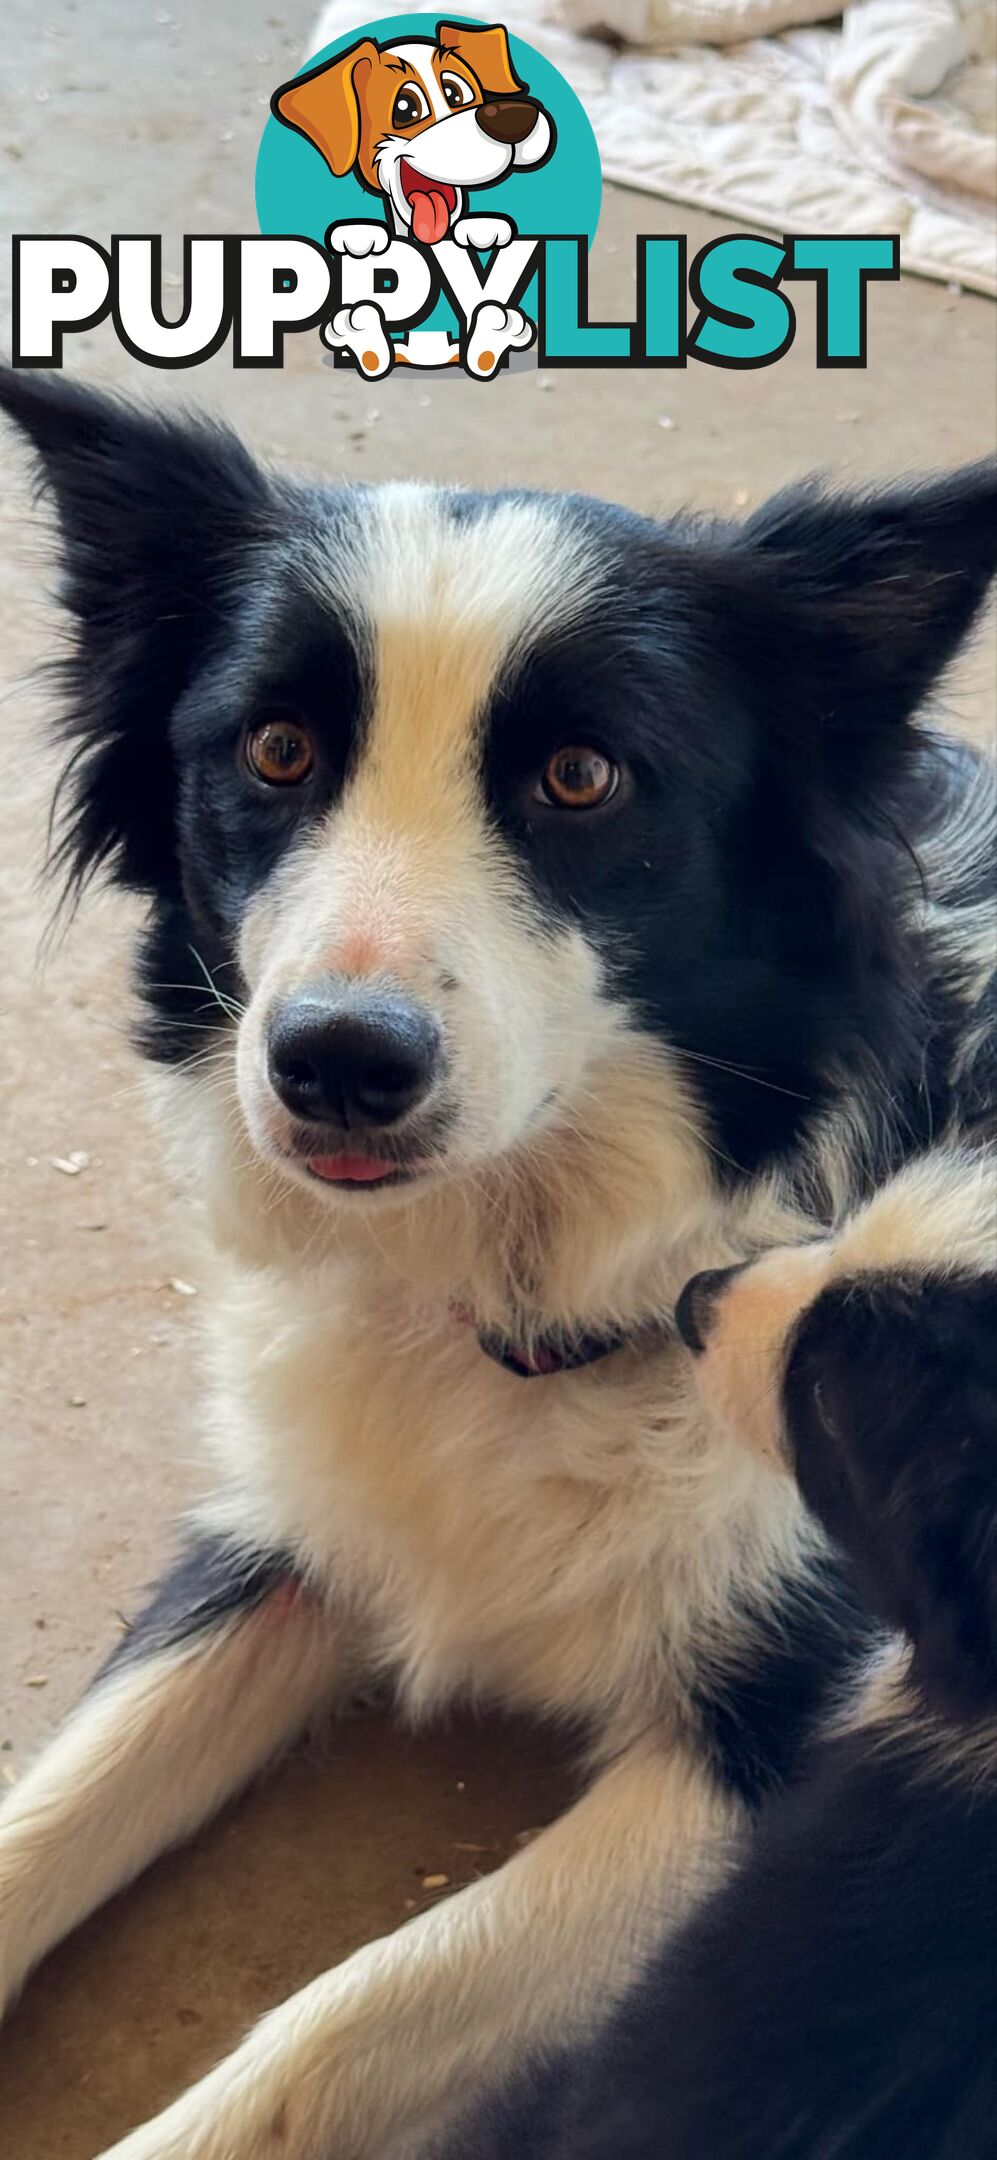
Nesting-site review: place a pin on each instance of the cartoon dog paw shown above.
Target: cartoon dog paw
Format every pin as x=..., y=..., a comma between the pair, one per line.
x=360, y=330
x=494, y=331
x=368, y=238
x=484, y=233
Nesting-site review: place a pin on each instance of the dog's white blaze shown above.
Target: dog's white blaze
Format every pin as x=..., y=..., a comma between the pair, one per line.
x=450, y=146
x=510, y=571
x=448, y=604
x=418, y=58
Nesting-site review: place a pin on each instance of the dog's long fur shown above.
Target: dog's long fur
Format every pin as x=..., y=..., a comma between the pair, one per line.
x=711, y=1016
x=839, y=1995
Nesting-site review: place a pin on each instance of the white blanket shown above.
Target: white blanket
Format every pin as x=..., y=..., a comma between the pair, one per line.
x=883, y=122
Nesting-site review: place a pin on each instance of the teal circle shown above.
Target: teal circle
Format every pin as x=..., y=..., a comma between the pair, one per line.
x=296, y=192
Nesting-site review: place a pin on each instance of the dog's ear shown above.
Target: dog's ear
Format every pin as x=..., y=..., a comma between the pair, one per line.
x=485, y=52
x=156, y=522
x=891, y=1407
x=871, y=596
x=323, y=105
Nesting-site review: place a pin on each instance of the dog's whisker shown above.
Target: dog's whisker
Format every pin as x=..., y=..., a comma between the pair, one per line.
x=231, y=1005
x=700, y=1057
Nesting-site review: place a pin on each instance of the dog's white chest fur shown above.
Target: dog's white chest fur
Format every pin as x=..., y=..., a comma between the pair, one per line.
x=525, y=1540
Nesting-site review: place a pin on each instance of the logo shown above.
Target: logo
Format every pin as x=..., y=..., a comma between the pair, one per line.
x=427, y=194
x=430, y=158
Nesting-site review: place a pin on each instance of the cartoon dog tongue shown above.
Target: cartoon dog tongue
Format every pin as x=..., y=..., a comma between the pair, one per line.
x=430, y=215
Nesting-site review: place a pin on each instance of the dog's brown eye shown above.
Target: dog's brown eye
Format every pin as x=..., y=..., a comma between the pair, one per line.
x=578, y=778
x=409, y=106
x=456, y=91
x=280, y=752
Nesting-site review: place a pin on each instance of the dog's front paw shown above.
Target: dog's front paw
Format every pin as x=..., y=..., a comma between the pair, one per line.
x=360, y=330
x=367, y=238
x=496, y=330
x=484, y=233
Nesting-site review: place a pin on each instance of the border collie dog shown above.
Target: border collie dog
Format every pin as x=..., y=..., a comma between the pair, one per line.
x=574, y=907
x=838, y=1995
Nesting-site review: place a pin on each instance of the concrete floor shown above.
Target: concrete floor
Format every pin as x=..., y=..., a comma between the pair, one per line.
x=117, y=117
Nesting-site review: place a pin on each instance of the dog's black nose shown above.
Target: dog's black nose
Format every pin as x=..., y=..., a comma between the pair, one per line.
x=508, y=120
x=360, y=1061
x=696, y=1308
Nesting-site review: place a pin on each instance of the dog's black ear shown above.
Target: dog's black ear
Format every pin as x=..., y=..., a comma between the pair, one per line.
x=871, y=596
x=156, y=518
x=890, y=1395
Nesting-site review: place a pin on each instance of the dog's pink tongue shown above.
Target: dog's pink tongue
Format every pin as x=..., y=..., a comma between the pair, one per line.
x=349, y=1169
x=430, y=216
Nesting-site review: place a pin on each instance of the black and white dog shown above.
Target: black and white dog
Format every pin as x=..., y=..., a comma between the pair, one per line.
x=838, y=1996
x=576, y=909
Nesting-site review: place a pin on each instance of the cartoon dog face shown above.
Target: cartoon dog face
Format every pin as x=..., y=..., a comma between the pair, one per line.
x=420, y=123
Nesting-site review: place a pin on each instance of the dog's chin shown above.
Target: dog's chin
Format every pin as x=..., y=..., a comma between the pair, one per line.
x=364, y=1173
x=357, y=1170
x=358, y=1167
x=363, y=1168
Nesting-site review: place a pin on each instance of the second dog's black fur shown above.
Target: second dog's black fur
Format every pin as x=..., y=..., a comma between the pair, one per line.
x=838, y=1999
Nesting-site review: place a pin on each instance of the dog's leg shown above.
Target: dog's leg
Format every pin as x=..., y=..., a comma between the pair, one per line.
x=377, y=2057
x=227, y=1665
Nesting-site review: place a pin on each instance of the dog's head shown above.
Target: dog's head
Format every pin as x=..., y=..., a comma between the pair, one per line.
x=515, y=833
x=874, y=1383
x=421, y=123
